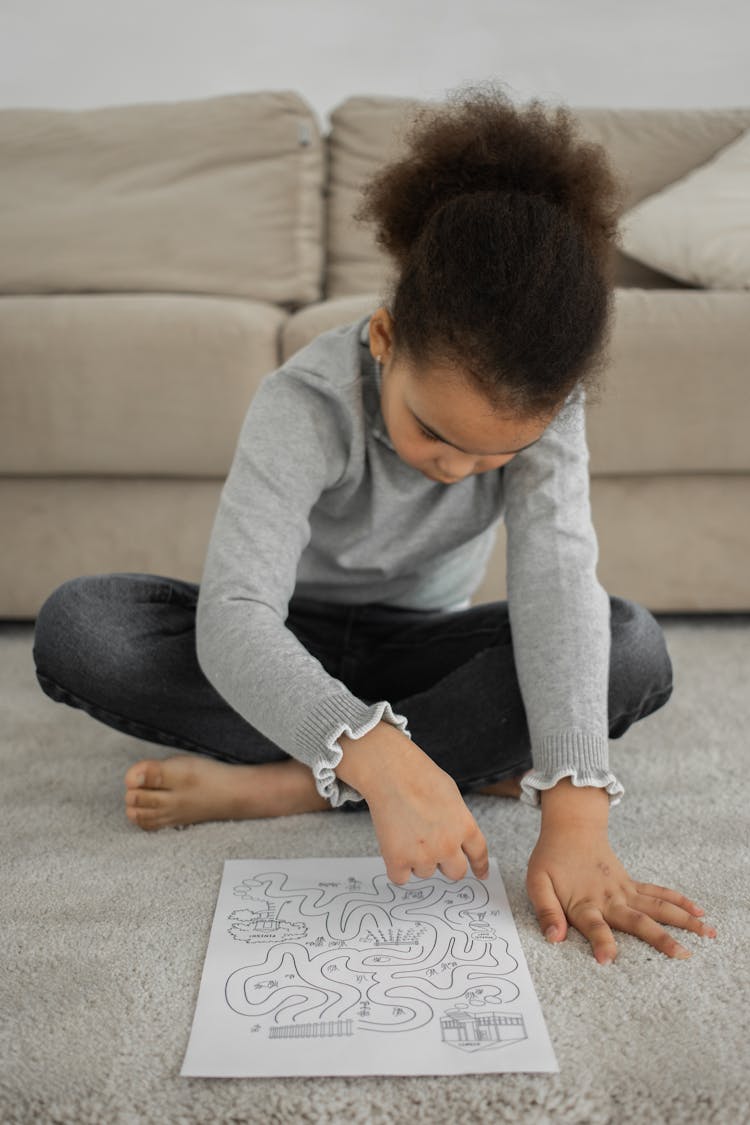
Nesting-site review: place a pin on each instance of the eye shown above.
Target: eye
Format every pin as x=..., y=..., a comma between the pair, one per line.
x=427, y=434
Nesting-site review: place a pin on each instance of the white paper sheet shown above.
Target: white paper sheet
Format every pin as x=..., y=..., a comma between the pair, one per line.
x=326, y=967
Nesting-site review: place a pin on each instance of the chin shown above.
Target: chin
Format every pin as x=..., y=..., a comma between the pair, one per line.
x=443, y=480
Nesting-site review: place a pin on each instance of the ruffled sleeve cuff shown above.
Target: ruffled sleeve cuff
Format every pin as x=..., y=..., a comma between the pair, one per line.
x=534, y=781
x=581, y=757
x=318, y=735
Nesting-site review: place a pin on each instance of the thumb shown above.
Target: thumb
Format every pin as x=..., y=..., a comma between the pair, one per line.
x=549, y=913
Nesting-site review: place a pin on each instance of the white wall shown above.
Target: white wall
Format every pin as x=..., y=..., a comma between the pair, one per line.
x=659, y=53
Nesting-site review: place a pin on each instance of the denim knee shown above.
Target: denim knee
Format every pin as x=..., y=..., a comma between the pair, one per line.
x=641, y=672
x=54, y=627
x=73, y=645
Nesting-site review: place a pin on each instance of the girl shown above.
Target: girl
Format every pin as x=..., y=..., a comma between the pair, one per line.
x=330, y=657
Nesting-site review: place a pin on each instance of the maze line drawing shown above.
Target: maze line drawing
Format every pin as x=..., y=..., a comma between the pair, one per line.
x=368, y=957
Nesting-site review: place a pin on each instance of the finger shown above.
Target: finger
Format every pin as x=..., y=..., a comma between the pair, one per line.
x=670, y=914
x=475, y=847
x=398, y=873
x=454, y=868
x=589, y=920
x=671, y=896
x=635, y=922
x=550, y=914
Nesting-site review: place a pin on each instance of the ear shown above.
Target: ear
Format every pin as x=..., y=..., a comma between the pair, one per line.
x=381, y=334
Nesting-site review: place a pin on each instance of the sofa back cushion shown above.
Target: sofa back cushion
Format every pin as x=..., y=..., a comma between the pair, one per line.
x=648, y=149
x=220, y=196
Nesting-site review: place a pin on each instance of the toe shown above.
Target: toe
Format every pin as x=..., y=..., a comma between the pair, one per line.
x=142, y=818
x=144, y=799
x=146, y=773
x=147, y=819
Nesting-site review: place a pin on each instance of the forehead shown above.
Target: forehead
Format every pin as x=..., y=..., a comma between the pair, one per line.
x=461, y=416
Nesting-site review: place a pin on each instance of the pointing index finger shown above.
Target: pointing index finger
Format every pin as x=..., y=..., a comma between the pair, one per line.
x=475, y=850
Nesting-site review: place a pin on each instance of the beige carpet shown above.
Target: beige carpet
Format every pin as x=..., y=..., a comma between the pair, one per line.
x=105, y=927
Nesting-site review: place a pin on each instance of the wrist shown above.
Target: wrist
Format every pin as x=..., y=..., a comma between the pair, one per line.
x=365, y=760
x=565, y=803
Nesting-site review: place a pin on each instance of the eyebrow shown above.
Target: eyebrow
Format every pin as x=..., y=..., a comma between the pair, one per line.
x=458, y=447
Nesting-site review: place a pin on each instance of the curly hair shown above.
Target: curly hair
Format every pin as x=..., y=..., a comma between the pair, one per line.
x=503, y=226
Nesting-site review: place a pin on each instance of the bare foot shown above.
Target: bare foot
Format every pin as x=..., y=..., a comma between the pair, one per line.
x=508, y=787
x=188, y=789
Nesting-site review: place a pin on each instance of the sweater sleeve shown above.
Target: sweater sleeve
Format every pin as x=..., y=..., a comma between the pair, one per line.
x=291, y=447
x=559, y=613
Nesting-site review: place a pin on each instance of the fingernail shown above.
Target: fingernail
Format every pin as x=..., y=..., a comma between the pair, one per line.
x=140, y=779
x=605, y=961
x=550, y=933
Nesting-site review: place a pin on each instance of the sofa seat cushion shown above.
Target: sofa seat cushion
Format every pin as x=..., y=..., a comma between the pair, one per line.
x=220, y=195
x=135, y=385
x=675, y=391
x=672, y=543
x=303, y=326
x=67, y=526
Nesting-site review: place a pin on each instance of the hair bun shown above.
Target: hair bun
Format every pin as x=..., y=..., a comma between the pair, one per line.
x=477, y=142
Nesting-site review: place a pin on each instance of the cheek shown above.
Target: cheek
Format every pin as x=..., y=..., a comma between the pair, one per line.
x=412, y=446
x=426, y=450
x=414, y=450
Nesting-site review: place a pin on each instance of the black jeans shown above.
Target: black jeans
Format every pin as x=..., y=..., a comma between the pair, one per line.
x=122, y=648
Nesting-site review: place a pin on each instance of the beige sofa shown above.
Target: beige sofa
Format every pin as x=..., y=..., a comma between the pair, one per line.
x=157, y=260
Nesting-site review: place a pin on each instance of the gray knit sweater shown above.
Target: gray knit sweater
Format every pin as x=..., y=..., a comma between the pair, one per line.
x=317, y=502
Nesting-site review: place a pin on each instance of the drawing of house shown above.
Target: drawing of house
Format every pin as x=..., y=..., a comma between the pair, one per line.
x=477, y=1031
x=264, y=924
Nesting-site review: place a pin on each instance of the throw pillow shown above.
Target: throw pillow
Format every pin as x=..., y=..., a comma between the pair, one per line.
x=698, y=228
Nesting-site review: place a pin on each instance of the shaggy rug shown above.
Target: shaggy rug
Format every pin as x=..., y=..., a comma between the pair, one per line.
x=105, y=928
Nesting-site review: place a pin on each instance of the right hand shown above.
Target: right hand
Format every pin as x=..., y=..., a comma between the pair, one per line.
x=419, y=815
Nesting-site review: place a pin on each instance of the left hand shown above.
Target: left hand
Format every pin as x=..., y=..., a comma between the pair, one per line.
x=574, y=876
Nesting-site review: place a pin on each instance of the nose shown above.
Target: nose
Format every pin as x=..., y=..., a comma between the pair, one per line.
x=456, y=467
